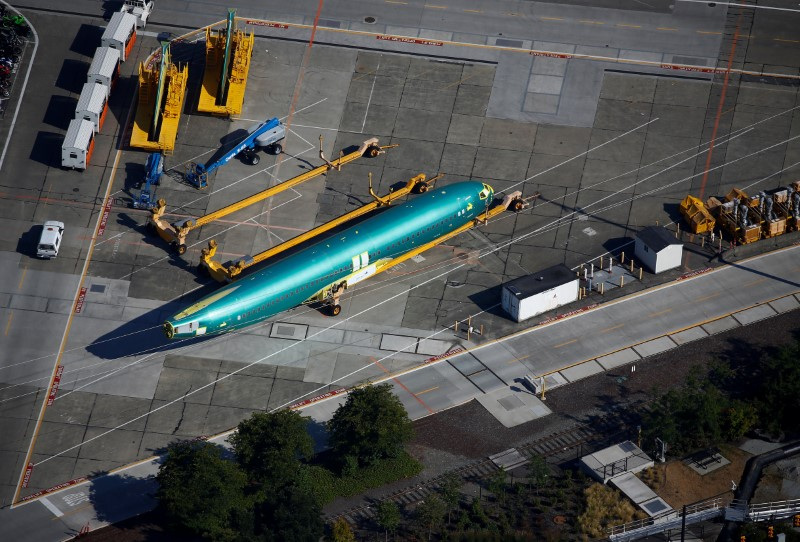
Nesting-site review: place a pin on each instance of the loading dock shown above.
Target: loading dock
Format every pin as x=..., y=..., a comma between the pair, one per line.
x=120, y=34
x=93, y=104
x=105, y=67
x=76, y=151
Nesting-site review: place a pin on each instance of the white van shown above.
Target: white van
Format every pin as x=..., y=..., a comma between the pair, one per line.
x=50, y=240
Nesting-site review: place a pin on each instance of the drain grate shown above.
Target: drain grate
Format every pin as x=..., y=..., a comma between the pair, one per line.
x=98, y=288
x=370, y=20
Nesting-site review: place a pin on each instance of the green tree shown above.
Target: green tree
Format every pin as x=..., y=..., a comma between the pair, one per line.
x=203, y=492
x=497, y=485
x=430, y=513
x=388, y=517
x=342, y=532
x=372, y=424
x=538, y=472
x=269, y=446
x=290, y=514
x=451, y=492
x=779, y=397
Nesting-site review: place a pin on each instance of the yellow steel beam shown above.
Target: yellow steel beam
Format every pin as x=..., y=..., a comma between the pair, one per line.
x=221, y=274
x=367, y=146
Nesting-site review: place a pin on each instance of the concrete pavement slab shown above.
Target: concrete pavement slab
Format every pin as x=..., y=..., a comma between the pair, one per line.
x=689, y=335
x=487, y=381
x=512, y=408
x=285, y=330
x=617, y=359
x=582, y=370
x=397, y=343
x=241, y=391
x=110, y=411
x=174, y=383
x=784, y=304
x=655, y=346
x=121, y=446
x=754, y=314
x=433, y=347
x=628, y=87
x=682, y=92
x=471, y=99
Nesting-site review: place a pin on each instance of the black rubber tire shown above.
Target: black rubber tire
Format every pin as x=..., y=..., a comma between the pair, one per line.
x=372, y=151
x=181, y=249
x=517, y=206
x=422, y=188
x=254, y=159
x=336, y=310
x=276, y=149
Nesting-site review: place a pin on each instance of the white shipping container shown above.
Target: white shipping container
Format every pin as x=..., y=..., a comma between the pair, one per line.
x=658, y=249
x=540, y=292
x=93, y=104
x=105, y=67
x=76, y=151
x=120, y=34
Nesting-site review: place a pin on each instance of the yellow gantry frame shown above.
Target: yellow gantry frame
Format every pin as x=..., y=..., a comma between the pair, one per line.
x=176, y=234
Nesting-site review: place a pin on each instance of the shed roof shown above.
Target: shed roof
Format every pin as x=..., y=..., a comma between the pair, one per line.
x=79, y=134
x=93, y=97
x=657, y=238
x=540, y=281
x=119, y=27
x=105, y=61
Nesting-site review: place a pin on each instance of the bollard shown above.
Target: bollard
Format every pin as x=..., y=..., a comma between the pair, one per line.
x=455, y=327
x=621, y=281
x=622, y=258
x=640, y=273
x=592, y=273
x=631, y=266
x=610, y=264
x=602, y=289
x=601, y=263
x=702, y=241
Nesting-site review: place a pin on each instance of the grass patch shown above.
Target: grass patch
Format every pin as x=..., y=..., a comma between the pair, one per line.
x=328, y=485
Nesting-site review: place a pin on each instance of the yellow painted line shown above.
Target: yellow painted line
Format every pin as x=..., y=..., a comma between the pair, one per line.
x=754, y=282
x=592, y=22
x=566, y=343
x=68, y=512
x=551, y=18
x=622, y=25
x=667, y=29
x=394, y=2
x=707, y=297
x=512, y=14
x=430, y=6
x=472, y=11
x=612, y=328
x=665, y=311
x=517, y=360
x=709, y=32
x=426, y=391
x=22, y=278
x=8, y=325
x=786, y=41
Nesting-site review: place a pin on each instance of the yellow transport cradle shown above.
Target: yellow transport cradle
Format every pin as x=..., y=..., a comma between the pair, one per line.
x=155, y=128
x=229, y=61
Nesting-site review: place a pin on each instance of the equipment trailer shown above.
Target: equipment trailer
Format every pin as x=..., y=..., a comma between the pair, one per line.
x=153, y=170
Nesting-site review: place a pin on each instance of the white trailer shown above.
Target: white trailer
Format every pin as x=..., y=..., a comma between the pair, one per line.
x=105, y=67
x=76, y=151
x=120, y=34
x=141, y=9
x=93, y=104
x=540, y=292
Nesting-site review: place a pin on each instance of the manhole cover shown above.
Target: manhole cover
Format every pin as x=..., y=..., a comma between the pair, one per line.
x=369, y=20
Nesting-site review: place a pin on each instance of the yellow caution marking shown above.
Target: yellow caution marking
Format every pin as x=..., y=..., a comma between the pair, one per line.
x=709, y=32
x=551, y=18
x=623, y=25
x=22, y=278
x=591, y=22
x=426, y=391
x=612, y=328
x=566, y=343
x=665, y=311
x=754, y=282
x=667, y=29
x=517, y=360
x=431, y=6
x=786, y=41
x=394, y=2
x=8, y=324
x=472, y=11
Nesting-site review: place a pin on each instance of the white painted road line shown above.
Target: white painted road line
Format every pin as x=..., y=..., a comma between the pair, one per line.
x=52, y=507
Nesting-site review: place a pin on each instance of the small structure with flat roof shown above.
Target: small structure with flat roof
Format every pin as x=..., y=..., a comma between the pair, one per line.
x=540, y=292
x=658, y=249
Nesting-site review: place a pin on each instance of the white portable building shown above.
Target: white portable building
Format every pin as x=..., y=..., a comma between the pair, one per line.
x=105, y=67
x=93, y=104
x=658, y=249
x=540, y=292
x=120, y=34
x=76, y=151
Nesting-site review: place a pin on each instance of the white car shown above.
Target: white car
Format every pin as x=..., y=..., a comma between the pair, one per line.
x=50, y=240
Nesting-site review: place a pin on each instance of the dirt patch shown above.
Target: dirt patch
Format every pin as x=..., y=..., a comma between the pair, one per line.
x=678, y=484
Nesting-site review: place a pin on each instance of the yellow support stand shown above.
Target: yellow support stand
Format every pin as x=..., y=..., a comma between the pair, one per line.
x=240, y=55
x=174, y=89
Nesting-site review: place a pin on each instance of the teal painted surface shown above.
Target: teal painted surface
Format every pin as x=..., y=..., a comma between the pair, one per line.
x=289, y=282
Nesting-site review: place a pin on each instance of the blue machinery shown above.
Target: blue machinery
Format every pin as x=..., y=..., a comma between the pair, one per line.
x=154, y=167
x=267, y=134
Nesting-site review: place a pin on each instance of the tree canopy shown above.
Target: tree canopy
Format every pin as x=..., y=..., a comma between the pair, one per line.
x=290, y=514
x=372, y=424
x=270, y=445
x=203, y=491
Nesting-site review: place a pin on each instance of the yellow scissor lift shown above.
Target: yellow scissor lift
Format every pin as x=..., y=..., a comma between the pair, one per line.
x=175, y=234
x=161, y=92
x=228, y=54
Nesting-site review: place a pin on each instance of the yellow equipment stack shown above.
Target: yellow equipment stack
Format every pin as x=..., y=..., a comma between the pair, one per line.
x=228, y=61
x=155, y=127
x=695, y=213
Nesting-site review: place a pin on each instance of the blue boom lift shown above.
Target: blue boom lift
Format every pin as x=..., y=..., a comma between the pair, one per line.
x=154, y=167
x=267, y=135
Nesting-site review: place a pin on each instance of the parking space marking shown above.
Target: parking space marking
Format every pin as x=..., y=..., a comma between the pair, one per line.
x=8, y=324
x=52, y=507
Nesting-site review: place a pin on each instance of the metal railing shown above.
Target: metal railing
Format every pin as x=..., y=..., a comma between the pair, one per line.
x=698, y=511
x=773, y=510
